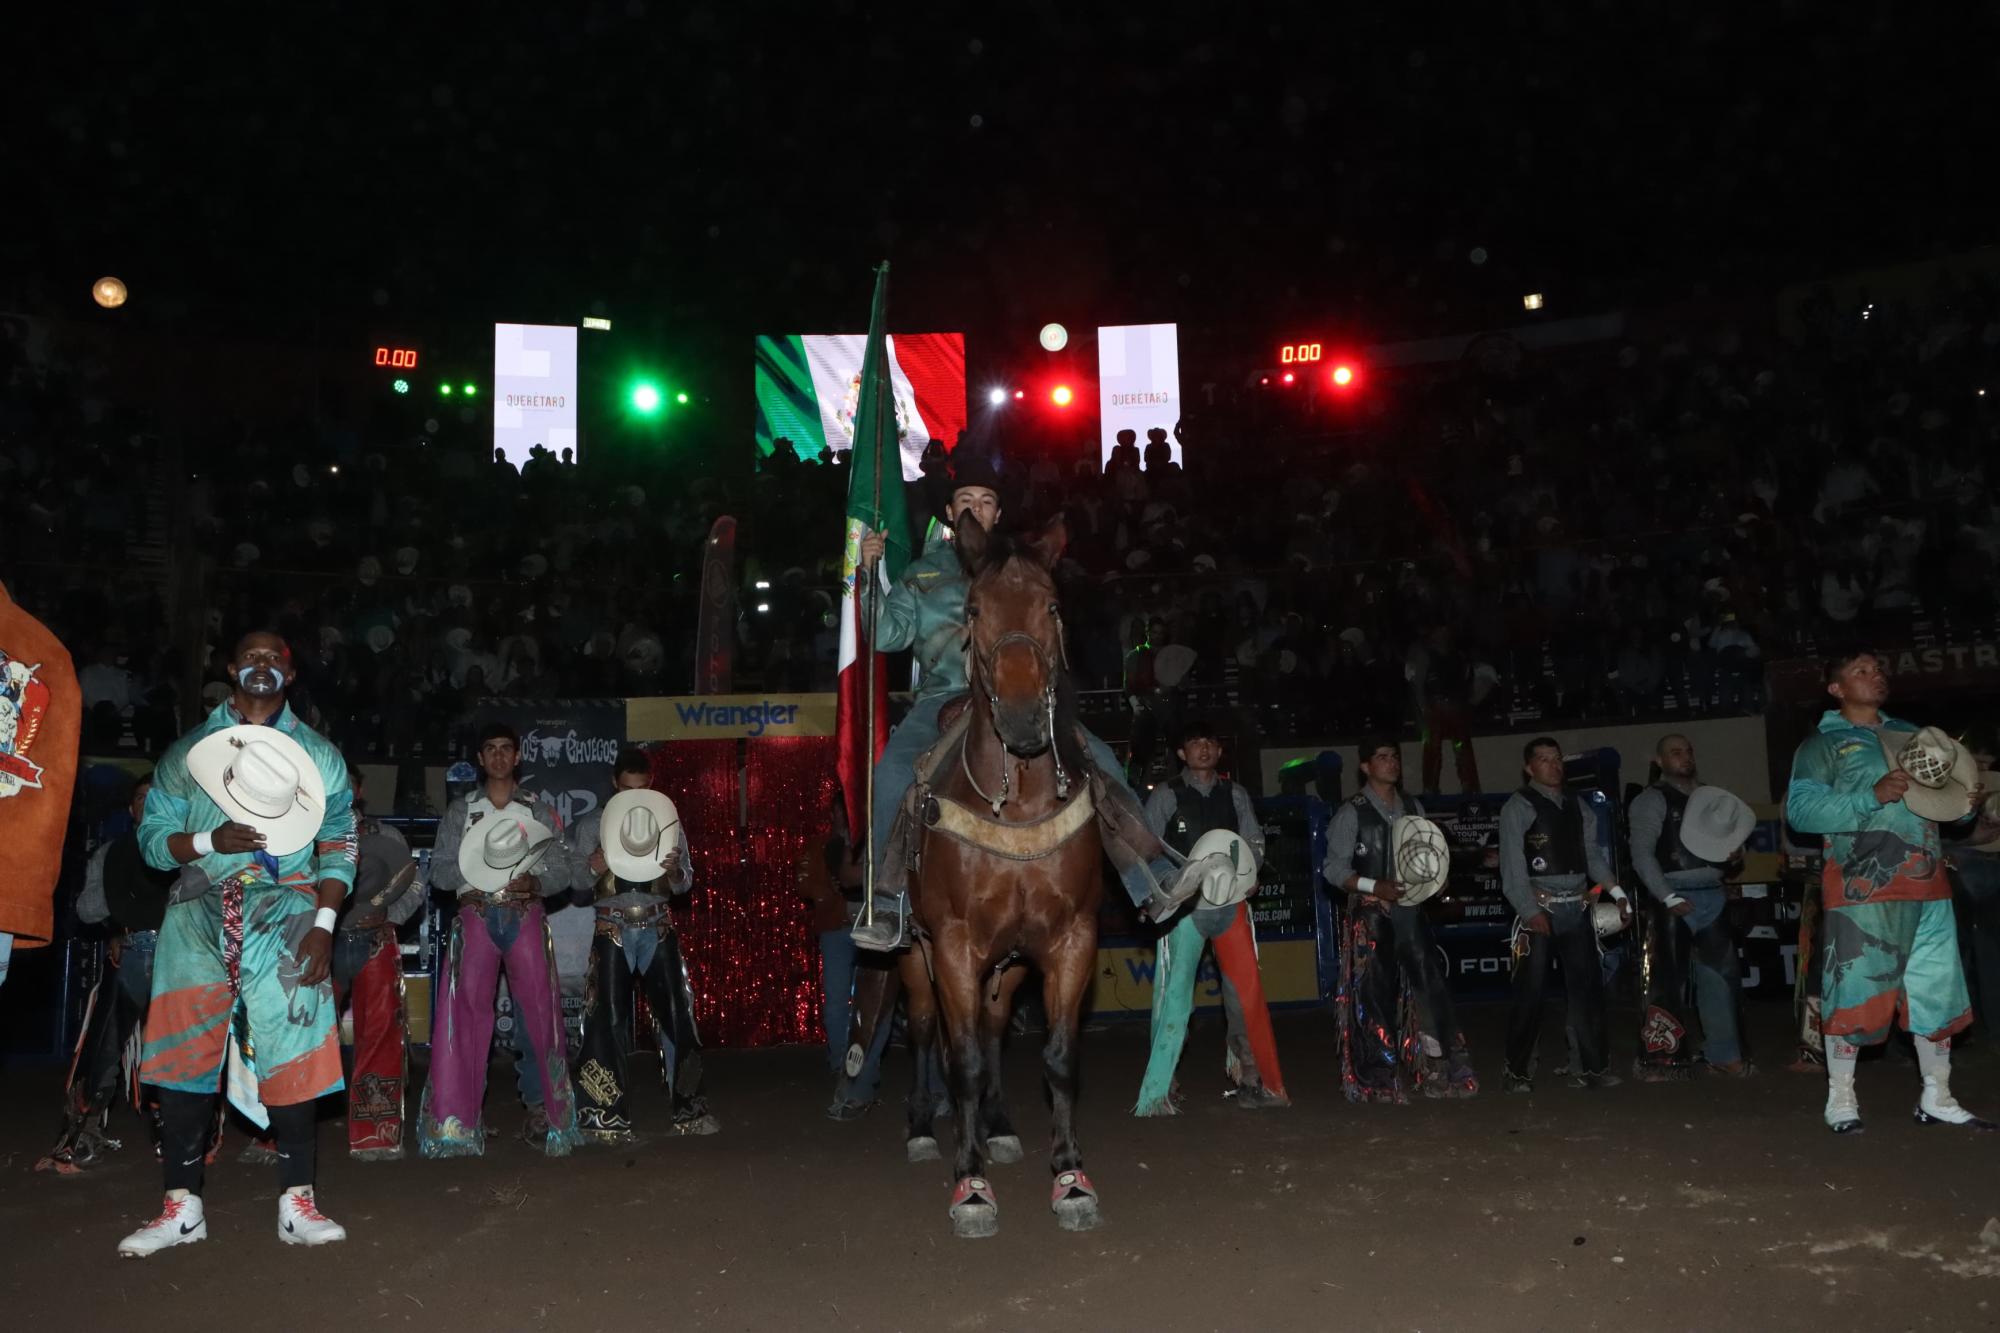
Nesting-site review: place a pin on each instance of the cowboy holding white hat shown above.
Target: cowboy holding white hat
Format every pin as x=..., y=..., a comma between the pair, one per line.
x=1208, y=819
x=1684, y=836
x=635, y=850
x=498, y=851
x=1387, y=859
x=256, y=806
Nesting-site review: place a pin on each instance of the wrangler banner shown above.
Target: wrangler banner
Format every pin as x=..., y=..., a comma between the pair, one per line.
x=713, y=717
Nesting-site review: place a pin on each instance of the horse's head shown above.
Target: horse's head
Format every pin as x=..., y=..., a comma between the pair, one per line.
x=1015, y=627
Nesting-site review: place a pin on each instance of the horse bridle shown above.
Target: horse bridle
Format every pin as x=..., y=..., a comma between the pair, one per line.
x=982, y=679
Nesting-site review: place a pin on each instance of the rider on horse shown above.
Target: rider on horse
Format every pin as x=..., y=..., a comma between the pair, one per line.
x=925, y=612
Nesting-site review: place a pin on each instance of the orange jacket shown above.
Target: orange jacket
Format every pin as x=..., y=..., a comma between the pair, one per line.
x=41, y=718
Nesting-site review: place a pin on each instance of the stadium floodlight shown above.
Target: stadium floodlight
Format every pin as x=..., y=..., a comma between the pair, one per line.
x=681, y=398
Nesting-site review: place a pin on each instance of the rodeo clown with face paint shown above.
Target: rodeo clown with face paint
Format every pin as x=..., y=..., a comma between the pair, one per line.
x=253, y=807
x=925, y=612
x=634, y=855
x=1877, y=789
x=499, y=853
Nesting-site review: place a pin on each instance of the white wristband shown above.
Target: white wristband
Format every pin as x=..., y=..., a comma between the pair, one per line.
x=204, y=844
x=324, y=918
x=1617, y=893
x=1363, y=884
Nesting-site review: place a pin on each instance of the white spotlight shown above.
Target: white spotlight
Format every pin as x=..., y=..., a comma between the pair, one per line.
x=996, y=397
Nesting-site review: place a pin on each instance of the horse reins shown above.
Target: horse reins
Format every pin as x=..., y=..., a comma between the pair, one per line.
x=983, y=677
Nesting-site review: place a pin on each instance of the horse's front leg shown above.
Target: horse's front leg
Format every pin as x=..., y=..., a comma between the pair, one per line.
x=926, y=1077
x=975, y=1211
x=1003, y=1145
x=1066, y=971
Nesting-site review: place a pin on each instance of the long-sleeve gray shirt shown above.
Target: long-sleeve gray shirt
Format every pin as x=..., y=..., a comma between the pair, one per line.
x=1161, y=804
x=1516, y=818
x=1345, y=831
x=555, y=871
x=1645, y=820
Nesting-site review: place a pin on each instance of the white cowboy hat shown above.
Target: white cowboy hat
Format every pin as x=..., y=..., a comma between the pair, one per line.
x=1233, y=884
x=1942, y=772
x=1990, y=807
x=262, y=777
x=636, y=831
x=502, y=848
x=1715, y=823
x=1607, y=919
x=1421, y=857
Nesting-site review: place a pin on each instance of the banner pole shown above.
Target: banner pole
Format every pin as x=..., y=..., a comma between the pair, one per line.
x=873, y=575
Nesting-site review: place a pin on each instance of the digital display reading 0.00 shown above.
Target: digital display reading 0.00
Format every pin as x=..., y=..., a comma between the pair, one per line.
x=1299, y=353
x=402, y=358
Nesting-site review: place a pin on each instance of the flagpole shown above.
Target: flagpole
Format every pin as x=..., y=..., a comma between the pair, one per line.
x=872, y=574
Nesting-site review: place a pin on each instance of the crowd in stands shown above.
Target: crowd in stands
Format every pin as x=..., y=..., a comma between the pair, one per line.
x=1618, y=531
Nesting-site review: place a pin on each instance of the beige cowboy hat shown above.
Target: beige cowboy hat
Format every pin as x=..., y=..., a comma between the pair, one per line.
x=1942, y=772
x=1421, y=857
x=1607, y=919
x=1989, y=808
x=502, y=848
x=1716, y=823
x=636, y=832
x=1232, y=884
x=260, y=776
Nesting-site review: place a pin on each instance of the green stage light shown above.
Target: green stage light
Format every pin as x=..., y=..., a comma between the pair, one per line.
x=401, y=386
x=681, y=398
x=646, y=398
x=470, y=390
x=445, y=389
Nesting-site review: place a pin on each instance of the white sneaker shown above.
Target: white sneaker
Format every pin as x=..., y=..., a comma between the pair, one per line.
x=1843, y=1109
x=1937, y=1106
x=181, y=1222
x=300, y=1222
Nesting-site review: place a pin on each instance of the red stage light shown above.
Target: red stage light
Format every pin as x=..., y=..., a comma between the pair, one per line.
x=1343, y=375
x=1020, y=393
x=1061, y=395
x=1288, y=377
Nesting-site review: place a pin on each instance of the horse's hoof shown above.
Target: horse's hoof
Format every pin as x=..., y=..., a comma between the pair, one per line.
x=975, y=1212
x=1004, y=1149
x=922, y=1149
x=1074, y=1202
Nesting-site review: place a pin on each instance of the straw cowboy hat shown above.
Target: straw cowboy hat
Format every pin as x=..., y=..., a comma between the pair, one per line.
x=1421, y=856
x=636, y=832
x=1942, y=772
x=262, y=777
x=1232, y=885
x=1716, y=823
x=501, y=849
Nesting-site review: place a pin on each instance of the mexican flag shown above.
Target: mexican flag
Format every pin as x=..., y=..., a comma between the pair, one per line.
x=809, y=391
x=875, y=501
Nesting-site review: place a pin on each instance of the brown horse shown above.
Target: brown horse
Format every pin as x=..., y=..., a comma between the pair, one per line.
x=1009, y=870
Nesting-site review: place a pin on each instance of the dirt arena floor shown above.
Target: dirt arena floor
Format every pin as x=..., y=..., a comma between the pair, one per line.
x=1709, y=1205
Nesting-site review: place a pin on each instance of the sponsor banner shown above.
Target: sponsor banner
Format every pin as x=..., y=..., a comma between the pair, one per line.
x=534, y=389
x=1138, y=383
x=1124, y=980
x=567, y=748
x=708, y=717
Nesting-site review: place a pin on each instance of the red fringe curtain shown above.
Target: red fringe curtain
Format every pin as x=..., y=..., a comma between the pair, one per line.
x=745, y=930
